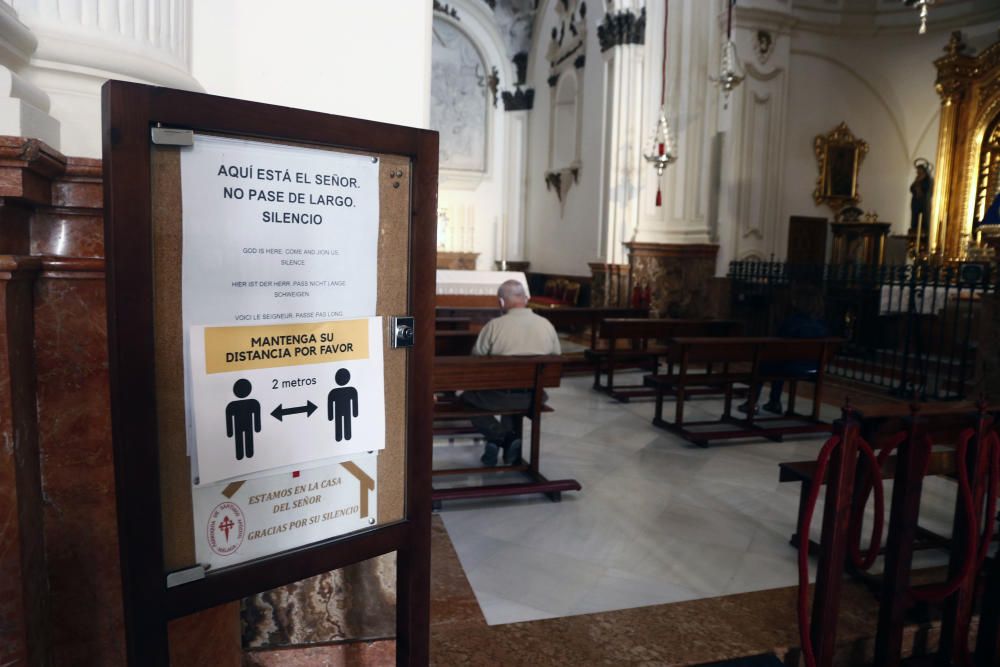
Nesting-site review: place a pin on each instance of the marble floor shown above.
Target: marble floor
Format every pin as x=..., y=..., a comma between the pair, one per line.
x=659, y=520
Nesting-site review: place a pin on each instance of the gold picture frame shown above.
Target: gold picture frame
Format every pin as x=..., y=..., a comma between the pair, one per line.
x=839, y=154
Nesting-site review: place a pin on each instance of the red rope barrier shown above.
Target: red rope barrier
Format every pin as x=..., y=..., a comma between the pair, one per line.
x=875, y=482
x=805, y=634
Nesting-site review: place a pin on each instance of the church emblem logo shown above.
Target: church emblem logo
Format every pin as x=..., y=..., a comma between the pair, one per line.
x=226, y=528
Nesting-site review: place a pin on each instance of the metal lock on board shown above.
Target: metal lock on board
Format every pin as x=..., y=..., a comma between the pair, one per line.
x=403, y=331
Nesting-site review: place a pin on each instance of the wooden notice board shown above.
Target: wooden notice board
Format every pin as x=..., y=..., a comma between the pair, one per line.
x=144, y=247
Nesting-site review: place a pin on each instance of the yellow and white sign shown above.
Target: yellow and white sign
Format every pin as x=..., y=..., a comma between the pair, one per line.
x=284, y=396
x=246, y=519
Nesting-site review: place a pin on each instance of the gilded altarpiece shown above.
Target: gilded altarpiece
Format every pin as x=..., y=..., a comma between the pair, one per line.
x=968, y=158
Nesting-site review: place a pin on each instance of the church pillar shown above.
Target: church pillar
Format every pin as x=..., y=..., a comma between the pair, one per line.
x=82, y=43
x=672, y=251
x=622, y=36
x=516, y=108
x=24, y=107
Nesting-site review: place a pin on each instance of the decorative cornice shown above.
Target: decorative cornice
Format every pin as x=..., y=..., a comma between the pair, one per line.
x=958, y=69
x=522, y=99
x=445, y=9
x=624, y=27
x=685, y=250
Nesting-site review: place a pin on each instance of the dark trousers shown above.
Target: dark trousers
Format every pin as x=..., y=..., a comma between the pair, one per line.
x=790, y=368
x=498, y=431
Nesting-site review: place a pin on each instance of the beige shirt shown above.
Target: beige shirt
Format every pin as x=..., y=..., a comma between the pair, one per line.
x=519, y=331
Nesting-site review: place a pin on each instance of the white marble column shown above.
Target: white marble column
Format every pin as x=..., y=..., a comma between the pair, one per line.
x=82, y=43
x=24, y=107
x=515, y=184
x=624, y=82
x=693, y=44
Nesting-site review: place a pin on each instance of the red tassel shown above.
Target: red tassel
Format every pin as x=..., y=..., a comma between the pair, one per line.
x=659, y=197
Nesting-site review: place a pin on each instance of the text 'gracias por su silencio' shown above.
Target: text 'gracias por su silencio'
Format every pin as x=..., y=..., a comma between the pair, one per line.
x=283, y=196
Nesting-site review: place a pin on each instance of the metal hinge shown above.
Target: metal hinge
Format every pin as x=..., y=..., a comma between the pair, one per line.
x=171, y=136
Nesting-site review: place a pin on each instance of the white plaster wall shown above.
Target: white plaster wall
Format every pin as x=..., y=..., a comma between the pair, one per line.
x=883, y=87
x=563, y=239
x=354, y=58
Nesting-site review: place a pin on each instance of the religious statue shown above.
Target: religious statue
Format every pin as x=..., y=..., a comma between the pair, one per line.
x=920, y=198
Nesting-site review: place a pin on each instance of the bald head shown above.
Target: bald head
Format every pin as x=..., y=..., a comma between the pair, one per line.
x=512, y=295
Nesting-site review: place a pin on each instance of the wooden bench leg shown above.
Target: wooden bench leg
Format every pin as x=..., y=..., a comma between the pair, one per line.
x=679, y=408
x=793, y=387
x=817, y=394
x=597, y=374
x=804, y=492
x=611, y=374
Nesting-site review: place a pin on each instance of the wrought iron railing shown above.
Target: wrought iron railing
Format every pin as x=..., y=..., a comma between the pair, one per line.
x=914, y=330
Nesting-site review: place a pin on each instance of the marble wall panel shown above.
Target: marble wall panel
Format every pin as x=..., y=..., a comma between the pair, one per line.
x=359, y=654
x=81, y=531
x=357, y=602
x=679, y=277
x=609, y=285
x=23, y=605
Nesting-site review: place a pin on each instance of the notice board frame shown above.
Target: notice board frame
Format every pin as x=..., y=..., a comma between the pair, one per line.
x=130, y=111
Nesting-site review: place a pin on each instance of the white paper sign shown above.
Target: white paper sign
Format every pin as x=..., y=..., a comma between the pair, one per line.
x=277, y=233
x=285, y=395
x=239, y=521
x=273, y=234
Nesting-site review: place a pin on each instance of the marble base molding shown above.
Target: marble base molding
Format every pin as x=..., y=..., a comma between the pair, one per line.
x=512, y=265
x=609, y=285
x=677, y=275
x=462, y=261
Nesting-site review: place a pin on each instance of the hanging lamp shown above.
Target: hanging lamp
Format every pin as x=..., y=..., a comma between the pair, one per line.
x=923, y=5
x=663, y=149
x=730, y=72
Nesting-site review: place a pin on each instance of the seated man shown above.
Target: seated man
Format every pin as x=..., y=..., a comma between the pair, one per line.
x=518, y=331
x=803, y=321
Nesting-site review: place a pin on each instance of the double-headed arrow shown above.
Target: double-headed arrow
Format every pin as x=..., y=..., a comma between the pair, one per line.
x=308, y=408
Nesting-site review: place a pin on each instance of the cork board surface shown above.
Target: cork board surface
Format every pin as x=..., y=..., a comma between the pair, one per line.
x=393, y=299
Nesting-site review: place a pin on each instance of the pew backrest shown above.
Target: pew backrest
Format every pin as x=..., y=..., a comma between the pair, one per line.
x=496, y=372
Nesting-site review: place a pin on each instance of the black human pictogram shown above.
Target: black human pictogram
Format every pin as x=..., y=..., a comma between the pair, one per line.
x=243, y=419
x=342, y=403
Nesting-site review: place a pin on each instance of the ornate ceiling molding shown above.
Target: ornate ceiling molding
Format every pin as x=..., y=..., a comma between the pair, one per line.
x=621, y=28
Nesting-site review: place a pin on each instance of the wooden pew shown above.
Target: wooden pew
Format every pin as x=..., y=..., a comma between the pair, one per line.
x=876, y=424
x=577, y=320
x=942, y=462
x=453, y=324
x=534, y=373
x=565, y=320
x=449, y=343
x=897, y=591
x=645, y=341
x=477, y=317
x=742, y=362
